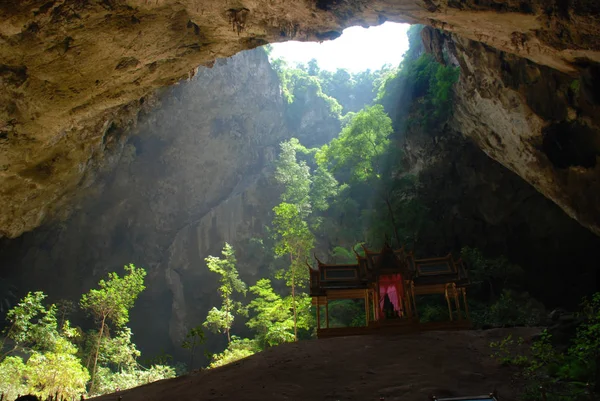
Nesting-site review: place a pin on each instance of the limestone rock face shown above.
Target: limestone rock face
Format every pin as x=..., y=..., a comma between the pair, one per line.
x=71, y=70
x=538, y=122
x=189, y=177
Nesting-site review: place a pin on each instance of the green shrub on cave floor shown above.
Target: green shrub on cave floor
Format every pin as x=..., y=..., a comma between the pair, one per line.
x=564, y=376
x=43, y=355
x=238, y=348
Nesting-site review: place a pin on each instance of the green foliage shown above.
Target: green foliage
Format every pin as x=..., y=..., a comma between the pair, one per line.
x=268, y=48
x=54, y=361
x=32, y=326
x=343, y=255
x=494, y=275
x=111, y=303
x=564, y=376
x=342, y=92
x=360, y=146
x=324, y=188
x=575, y=86
x=298, y=86
x=376, y=188
x=271, y=316
x=236, y=350
x=353, y=91
x=295, y=176
x=586, y=346
x=109, y=381
x=497, y=283
x=432, y=312
x=513, y=309
x=221, y=320
x=294, y=221
x=193, y=338
x=424, y=84
x=505, y=351
x=12, y=377
x=57, y=371
x=116, y=296
x=119, y=352
x=347, y=313
x=52, y=365
x=293, y=232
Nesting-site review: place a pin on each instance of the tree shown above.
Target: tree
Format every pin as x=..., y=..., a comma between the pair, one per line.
x=57, y=372
x=32, y=326
x=313, y=67
x=497, y=274
x=193, y=338
x=112, y=302
x=221, y=320
x=271, y=317
x=12, y=377
x=294, y=175
x=52, y=366
x=119, y=351
x=296, y=241
x=303, y=194
x=358, y=155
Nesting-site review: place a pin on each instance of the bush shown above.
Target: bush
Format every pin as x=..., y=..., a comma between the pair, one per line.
x=237, y=349
x=12, y=377
x=515, y=309
x=570, y=376
x=109, y=382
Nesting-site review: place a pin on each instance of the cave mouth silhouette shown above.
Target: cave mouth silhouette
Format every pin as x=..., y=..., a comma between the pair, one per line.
x=570, y=144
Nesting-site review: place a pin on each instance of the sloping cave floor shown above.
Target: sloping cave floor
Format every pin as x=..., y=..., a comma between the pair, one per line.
x=395, y=367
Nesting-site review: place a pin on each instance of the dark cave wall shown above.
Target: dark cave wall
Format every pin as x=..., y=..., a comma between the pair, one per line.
x=476, y=202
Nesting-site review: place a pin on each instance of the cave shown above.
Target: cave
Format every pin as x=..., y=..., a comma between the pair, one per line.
x=157, y=144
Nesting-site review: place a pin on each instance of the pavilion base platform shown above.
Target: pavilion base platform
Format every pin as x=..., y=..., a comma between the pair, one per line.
x=407, y=326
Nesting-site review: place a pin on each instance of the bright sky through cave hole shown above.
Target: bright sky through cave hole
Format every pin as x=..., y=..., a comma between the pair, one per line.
x=357, y=49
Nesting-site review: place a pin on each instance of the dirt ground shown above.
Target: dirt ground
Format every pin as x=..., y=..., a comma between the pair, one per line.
x=397, y=367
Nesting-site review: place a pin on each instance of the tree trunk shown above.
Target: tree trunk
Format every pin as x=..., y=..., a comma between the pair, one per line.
x=97, y=352
x=228, y=323
x=294, y=298
x=393, y=220
x=192, y=358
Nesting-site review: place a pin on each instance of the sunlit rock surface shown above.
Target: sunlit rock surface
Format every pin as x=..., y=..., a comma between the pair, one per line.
x=189, y=177
x=193, y=173
x=71, y=70
x=540, y=123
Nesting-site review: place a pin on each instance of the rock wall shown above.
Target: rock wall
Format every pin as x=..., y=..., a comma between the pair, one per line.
x=192, y=172
x=69, y=69
x=538, y=123
x=475, y=201
x=190, y=176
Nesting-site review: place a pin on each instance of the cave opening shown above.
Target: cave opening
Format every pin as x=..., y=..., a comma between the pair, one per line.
x=201, y=170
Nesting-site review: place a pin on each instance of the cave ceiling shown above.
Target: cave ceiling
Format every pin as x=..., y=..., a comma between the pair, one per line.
x=73, y=73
